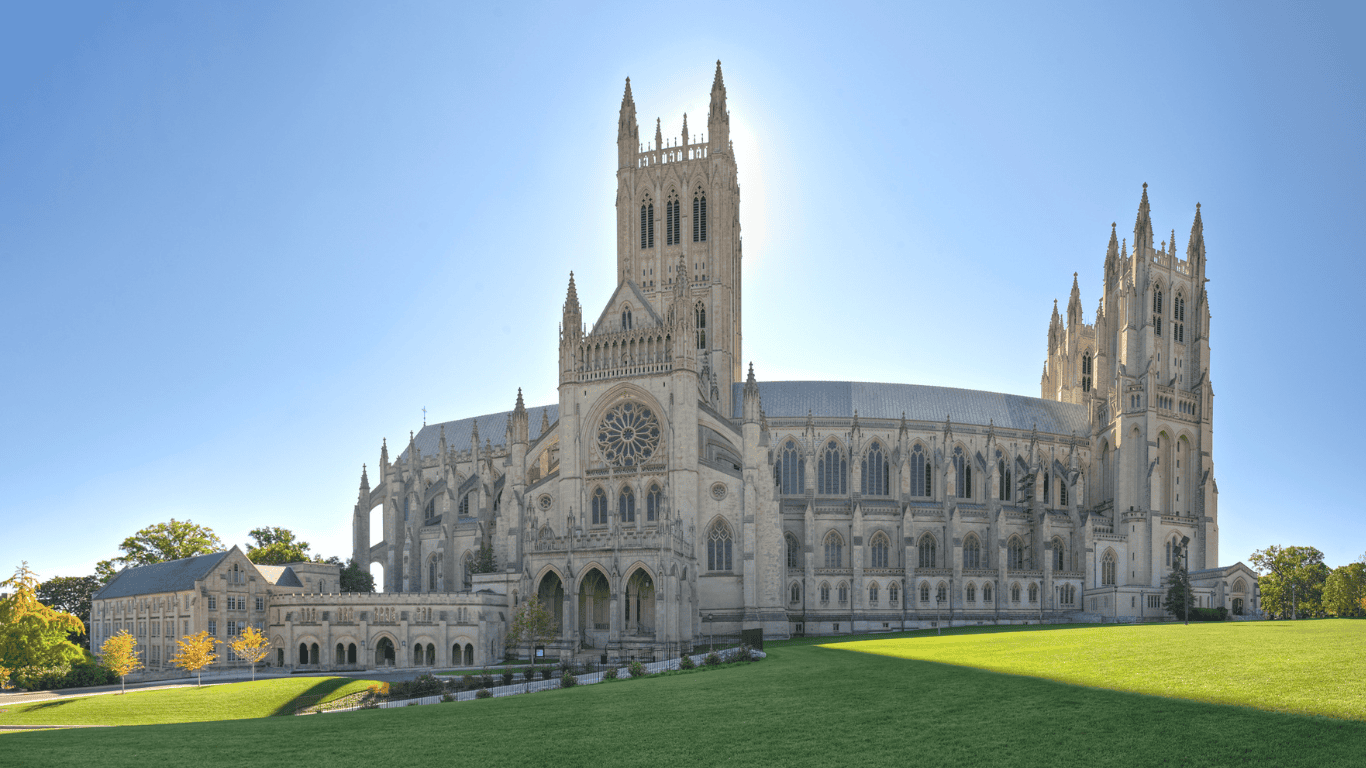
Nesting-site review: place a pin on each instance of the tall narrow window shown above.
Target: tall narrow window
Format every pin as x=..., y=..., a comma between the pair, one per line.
x=643, y=227
x=676, y=222
x=927, y=552
x=920, y=472
x=972, y=552
x=1047, y=485
x=652, y=501
x=832, y=471
x=669, y=222
x=834, y=550
x=599, y=507
x=1157, y=311
x=876, y=472
x=719, y=547
x=1086, y=372
x=626, y=505
x=1107, y=568
x=1059, y=555
x=962, y=470
x=791, y=470
x=794, y=551
x=1015, y=554
x=1179, y=319
x=699, y=219
x=1007, y=490
x=626, y=318
x=880, y=548
x=700, y=320
x=1062, y=491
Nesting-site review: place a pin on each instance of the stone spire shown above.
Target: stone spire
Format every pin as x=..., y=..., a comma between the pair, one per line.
x=1143, y=225
x=545, y=420
x=1074, y=315
x=659, y=135
x=628, y=133
x=751, y=405
x=364, y=480
x=517, y=422
x=718, y=117
x=383, y=455
x=686, y=140
x=1195, y=247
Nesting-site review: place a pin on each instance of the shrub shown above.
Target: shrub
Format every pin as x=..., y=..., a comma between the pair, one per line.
x=686, y=663
x=568, y=680
x=79, y=675
x=745, y=652
x=610, y=674
x=712, y=659
x=508, y=676
x=546, y=673
x=483, y=693
x=636, y=669
x=529, y=674
x=486, y=681
x=447, y=698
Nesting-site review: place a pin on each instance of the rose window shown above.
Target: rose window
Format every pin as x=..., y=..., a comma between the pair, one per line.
x=629, y=435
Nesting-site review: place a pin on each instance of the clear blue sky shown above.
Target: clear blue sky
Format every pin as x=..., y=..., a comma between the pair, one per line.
x=242, y=242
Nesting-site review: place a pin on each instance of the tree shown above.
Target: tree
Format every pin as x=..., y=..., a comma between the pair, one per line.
x=533, y=624
x=1178, y=592
x=251, y=646
x=356, y=579
x=1293, y=580
x=5, y=673
x=166, y=541
x=194, y=653
x=32, y=634
x=483, y=560
x=71, y=594
x=119, y=655
x=1344, y=592
x=277, y=546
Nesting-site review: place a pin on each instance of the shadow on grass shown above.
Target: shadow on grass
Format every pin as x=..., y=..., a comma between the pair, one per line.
x=314, y=694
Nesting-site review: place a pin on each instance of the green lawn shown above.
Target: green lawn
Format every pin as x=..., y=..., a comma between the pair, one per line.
x=1311, y=667
x=234, y=701
x=805, y=705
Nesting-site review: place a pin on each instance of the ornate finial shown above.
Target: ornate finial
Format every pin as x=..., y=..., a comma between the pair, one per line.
x=520, y=405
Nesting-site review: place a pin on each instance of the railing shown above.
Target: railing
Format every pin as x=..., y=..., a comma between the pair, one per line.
x=675, y=154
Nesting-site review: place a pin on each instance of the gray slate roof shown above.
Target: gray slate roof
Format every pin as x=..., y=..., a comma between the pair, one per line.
x=839, y=399
x=492, y=428
x=280, y=575
x=170, y=576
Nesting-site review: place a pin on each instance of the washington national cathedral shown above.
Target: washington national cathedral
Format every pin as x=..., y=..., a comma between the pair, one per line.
x=670, y=493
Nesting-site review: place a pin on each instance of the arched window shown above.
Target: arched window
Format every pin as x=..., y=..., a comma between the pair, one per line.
x=1014, y=593
x=924, y=591
x=1033, y=593
x=927, y=554
x=1107, y=568
x=876, y=472
x=825, y=592
x=972, y=552
x=699, y=218
x=834, y=550
x=1015, y=554
x=719, y=547
x=1047, y=487
x=652, y=503
x=1062, y=491
x=1059, y=555
x=464, y=509
x=1179, y=318
x=626, y=318
x=920, y=472
x=972, y=592
x=796, y=593
x=626, y=505
x=986, y=593
x=467, y=566
x=1157, y=310
x=832, y=471
x=431, y=576
x=1086, y=371
x=599, y=507
x=791, y=470
x=879, y=550
x=794, y=551
x=962, y=470
x=669, y=210
x=844, y=593
x=892, y=593
x=941, y=594
x=872, y=593
x=1006, y=492
x=700, y=320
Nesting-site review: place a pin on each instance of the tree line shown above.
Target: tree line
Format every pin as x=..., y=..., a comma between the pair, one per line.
x=1295, y=583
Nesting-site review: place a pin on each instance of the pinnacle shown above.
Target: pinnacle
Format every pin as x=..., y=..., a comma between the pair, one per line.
x=520, y=405
x=718, y=82
x=751, y=373
x=626, y=99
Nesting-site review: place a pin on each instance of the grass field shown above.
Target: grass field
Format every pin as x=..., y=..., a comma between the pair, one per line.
x=807, y=704
x=234, y=701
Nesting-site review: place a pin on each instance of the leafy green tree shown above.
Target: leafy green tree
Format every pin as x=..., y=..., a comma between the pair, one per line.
x=166, y=541
x=1292, y=584
x=277, y=546
x=1178, y=592
x=483, y=560
x=32, y=634
x=71, y=594
x=533, y=624
x=356, y=579
x=1344, y=592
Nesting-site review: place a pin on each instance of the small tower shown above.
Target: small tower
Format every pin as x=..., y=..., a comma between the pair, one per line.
x=628, y=133
x=718, y=118
x=571, y=332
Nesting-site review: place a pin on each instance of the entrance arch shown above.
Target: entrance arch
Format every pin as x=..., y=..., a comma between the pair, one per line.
x=595, y=619
x=551, y=595
x=384, y=652
x=639, y=610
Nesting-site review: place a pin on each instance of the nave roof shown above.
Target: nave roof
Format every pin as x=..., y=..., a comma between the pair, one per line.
x=492, y=428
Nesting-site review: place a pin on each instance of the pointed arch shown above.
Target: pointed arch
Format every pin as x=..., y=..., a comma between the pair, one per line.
x=879, y=551
x=794, y=550
x=962, y=473
x=928, y=547
x=1059, y=554
x=922, y=471
x=834, y=549
x=654, y=501
x=825, y=592
x=972, y=552
x=924, y=591
x=790, y=469
x=1086, y=370
x=599, y=506
x=699, y=215
x=1005, y=487
x=1015, y=592
x=1015, y=553
x=795, y=593
x=1108, y=565
x=876, y=473
x=467, y=570
x=970, y=593
x=626, y=504
x=720, y=543
x=832, y=469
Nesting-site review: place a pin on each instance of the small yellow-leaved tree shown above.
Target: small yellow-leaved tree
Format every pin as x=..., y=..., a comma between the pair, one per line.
x=5, y=672
x=195, y=652
x=119, y=655
x=251, y=646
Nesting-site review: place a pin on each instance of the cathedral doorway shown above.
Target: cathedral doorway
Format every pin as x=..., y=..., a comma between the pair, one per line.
x=594, y=610
x=551, y=595
x=351, y=654
x=639, y=610
x=384, y=652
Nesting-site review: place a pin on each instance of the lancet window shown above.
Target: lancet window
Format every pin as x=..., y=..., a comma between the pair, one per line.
x=652, y=504
x=920, y=472
x=791, y=470
x=832, y=471
x=699, y=218
x=881, y=546
x=647, y=224
x=700, y=321
x=599, y=507
x=1086, y=371
x=1107, y=568
x=719, y=543
x=626, y=505
x=794, y=551
x=927, y=551
x=1015, y=554
x=972, y=552
x=834, y=550
x=1157, y=310
x=876, y=472
x=962, y=470
x=1003, y=473
x=1179, y=318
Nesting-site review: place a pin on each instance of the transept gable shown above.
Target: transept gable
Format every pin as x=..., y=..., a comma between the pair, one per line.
x=626, y=295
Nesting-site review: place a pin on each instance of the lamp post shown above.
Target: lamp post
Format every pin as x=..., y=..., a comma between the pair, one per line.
x=711, y=641
x=1186, y=558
